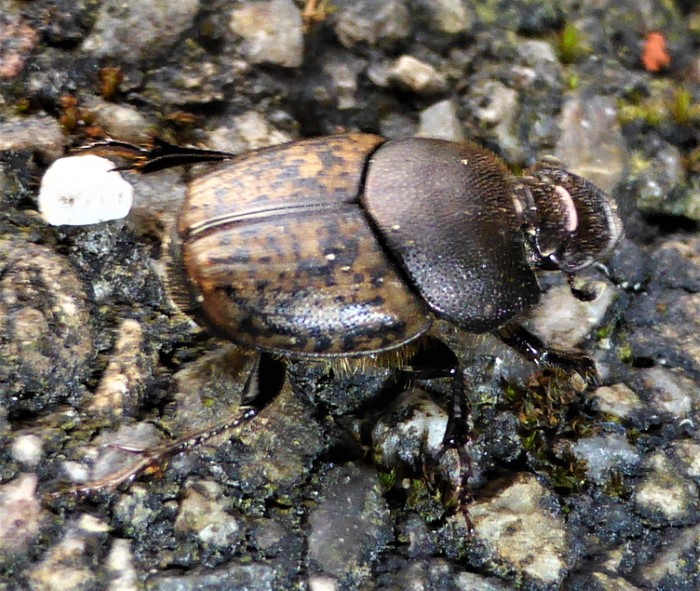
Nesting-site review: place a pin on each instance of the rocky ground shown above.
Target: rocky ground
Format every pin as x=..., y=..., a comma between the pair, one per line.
x=333, y=486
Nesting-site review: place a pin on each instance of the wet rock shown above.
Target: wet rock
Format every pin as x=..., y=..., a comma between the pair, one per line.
x=441, y=121
x=688, y=452
x=159, y=26
x=412, y=432
x=664, y=496
x=654, y=178
x=618, y=400
x=450, y=17
x=670, y=391
x=41, y=134
x=122, y=385
x=372, y=22
x=574, y=319
x=255, y=577
x=591, y=142
x=495, y=106
x=417, y=76
x=521, y=533
x=68, y=565
x=203, y=512
x=17, y=39
x=670, y=567
x=664, y=320
x=271, y=32
x=47, y=339
x=121, y=570
x=605, y=455
x=347, y=530
x=21, y=517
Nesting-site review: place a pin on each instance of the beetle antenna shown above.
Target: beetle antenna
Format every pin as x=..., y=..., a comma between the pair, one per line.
x=156, y=155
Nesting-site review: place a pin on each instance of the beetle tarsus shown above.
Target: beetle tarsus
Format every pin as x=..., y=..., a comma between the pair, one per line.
x=530, y=346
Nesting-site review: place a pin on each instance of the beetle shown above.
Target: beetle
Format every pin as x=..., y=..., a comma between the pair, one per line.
x=349, y=246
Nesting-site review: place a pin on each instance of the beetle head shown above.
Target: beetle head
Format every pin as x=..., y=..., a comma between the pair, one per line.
x=569, y=222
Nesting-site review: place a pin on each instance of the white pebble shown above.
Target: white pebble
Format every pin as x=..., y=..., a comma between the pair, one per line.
x=81, y=190
x=27, y=449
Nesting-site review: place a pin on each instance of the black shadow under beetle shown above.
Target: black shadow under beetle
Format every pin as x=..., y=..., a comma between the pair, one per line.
x=348, y=245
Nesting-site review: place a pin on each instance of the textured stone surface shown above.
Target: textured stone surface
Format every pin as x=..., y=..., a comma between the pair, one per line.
x=338, y=483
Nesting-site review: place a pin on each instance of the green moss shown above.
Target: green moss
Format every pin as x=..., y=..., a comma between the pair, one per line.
x=624, y=353
x=387, y=480
x=571, y=45
x=665, y=102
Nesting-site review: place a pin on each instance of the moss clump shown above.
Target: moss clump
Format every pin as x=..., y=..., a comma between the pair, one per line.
x=571, y=45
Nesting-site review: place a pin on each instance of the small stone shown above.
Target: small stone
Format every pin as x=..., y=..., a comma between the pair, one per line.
x=441, y=121
x=247, y=131
x=323, y=584
x=47, y=336
x=347, y=529
x=605, y=454
x=123, y=382
x=670, y=568
x=372, y=22
x=591, y=142
x=82, y=190
x=617, y=400
x=271, y=31
x=688, y=452
x=159, y=25
x=664, y=496
x=120, y=567
x=495, y=106
x=202, y=512
x=417, y=76
x=124, y=122
x=519, y=534
x=474, y=582
x=417, y=435
x=449, y=16
x=671, y=391
x=21, y=516
x=563, y=321
x=17, y=39
x=610, y=583
x=40, y=134
x=27, y=449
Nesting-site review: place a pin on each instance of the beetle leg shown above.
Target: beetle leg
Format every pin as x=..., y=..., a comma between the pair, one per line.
x=530, y=346
x=584, y=294
x=457, y=431
x=262, y=386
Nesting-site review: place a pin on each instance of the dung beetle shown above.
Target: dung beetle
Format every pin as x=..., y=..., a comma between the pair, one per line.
x=349, y=245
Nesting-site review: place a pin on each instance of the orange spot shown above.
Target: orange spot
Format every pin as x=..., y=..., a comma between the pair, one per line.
x=654, y=54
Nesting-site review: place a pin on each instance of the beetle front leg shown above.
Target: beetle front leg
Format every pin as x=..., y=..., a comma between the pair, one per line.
x=531, y=347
